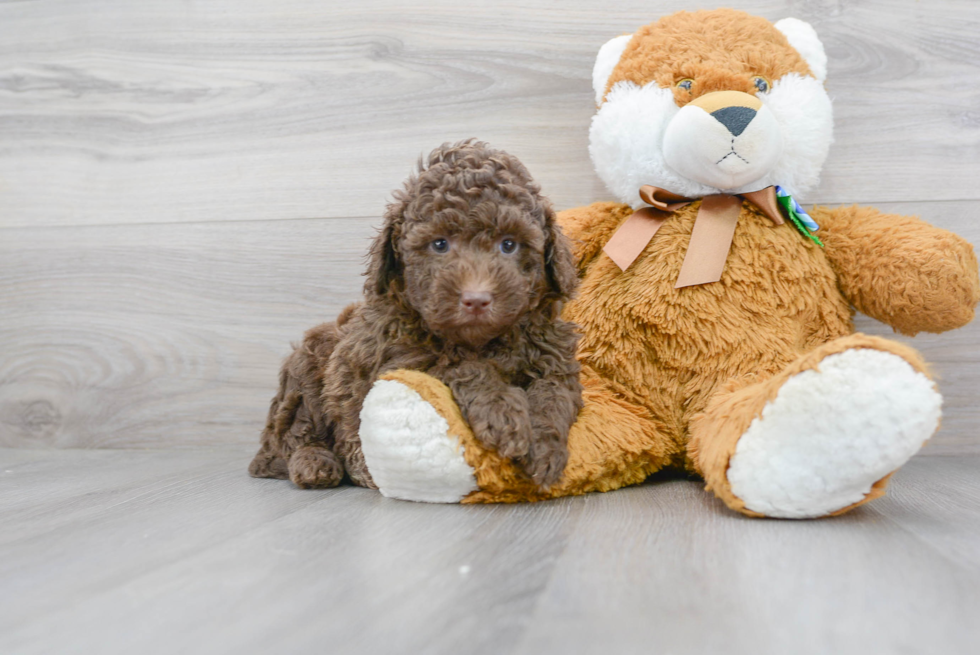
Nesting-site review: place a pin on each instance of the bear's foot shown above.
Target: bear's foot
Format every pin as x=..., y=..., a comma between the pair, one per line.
x=409, y=447
x=826, y=437
x=831, y=434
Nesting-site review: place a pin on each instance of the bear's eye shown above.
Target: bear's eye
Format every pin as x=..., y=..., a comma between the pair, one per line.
x=440, y=245
x=761, y=83
x=686, y=84
x=508, y=246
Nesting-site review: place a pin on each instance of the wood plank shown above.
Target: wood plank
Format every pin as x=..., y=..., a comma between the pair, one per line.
x=155, y=112
x=171, y=335
x=356, y=567
x=69, y=550
x=44, y=491
x=213, y=561
x=161, y=335
x=683, y=575
x=939, y=503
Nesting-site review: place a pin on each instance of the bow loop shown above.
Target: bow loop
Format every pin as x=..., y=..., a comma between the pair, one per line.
x=663, y=199
x=711, y=238
x=765, y=200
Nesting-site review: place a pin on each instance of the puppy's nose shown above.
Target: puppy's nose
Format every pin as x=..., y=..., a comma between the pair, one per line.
x=733, y=109
x=476, y=302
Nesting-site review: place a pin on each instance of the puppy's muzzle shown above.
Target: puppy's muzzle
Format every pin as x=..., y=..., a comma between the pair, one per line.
x=476, y=302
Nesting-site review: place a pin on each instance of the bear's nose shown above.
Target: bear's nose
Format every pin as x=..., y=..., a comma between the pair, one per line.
x=736, y=119
x=476, y=302
x=733, y=109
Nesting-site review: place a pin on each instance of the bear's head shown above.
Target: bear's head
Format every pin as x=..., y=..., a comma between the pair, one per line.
x=711, y=102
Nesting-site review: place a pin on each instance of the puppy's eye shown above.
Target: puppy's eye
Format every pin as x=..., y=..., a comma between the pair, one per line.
x=761, y=83
x=440, y=245
x=687, y=83
x=508, y=246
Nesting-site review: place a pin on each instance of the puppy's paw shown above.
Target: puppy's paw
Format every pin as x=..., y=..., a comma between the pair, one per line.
x=312, y=467
x=268, y=465
x=504, y=424
x=545, y=463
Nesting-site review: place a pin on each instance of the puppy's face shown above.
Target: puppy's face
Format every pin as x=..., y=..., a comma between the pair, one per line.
x=471, y=274
x=470, y=246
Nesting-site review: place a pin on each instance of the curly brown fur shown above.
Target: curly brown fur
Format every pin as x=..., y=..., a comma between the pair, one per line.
x=446, y=295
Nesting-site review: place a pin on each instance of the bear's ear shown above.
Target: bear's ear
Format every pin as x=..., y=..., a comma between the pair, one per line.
x=605, y=62
x=804, y=40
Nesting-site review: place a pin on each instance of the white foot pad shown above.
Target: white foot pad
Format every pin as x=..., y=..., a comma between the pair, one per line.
x=408, y=449
x=830, y=434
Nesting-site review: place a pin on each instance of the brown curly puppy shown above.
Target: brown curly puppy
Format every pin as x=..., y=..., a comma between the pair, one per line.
x=465, y=282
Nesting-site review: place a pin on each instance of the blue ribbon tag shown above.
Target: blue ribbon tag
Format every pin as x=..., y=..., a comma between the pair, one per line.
x=794, y=212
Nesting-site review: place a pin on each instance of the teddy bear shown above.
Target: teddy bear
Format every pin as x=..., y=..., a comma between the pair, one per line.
x=715, y=312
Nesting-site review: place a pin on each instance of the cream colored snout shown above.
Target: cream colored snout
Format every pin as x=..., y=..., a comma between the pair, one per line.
x=725, y=139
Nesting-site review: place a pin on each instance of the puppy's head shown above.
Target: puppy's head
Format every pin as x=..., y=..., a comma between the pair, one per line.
x=471, y=245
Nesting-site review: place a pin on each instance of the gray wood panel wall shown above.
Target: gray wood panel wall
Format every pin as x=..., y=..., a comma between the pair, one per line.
x=186, y=187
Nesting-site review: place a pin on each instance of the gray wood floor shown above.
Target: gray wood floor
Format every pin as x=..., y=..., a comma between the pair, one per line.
x=186, y=187
x=113, y=551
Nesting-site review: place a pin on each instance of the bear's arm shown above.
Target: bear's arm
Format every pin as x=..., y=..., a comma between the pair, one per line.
x=900, y=270
x=590, y=227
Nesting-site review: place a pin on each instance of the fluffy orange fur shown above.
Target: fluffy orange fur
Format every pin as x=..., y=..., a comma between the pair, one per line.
x=696, y=46
x=899, y=269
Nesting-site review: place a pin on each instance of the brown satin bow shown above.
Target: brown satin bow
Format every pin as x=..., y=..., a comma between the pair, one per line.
x=711, y=237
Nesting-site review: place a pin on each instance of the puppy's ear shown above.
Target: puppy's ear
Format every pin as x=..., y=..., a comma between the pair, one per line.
x=384, y=264
x=559, y=265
